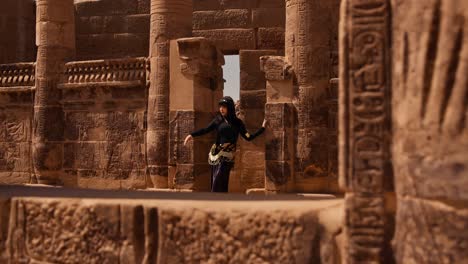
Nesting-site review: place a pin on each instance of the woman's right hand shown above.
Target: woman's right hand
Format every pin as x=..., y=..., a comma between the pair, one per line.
x=189, y=137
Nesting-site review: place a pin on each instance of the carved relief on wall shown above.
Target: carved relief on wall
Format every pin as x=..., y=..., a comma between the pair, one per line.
x=365, y=123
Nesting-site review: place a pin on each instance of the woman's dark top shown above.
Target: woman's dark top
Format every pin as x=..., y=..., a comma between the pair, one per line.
x=227, y=132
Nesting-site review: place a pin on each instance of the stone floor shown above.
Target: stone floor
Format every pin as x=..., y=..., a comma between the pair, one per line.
x=58, y=225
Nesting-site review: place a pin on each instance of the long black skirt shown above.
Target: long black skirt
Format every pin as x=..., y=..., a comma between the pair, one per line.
x=220, y=176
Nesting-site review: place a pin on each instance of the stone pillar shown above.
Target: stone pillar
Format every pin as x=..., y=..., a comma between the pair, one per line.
x=364, y=127
x=308, y=51
x=430, y=124
x=194, y=94
x=55, y=38
x=279, y=111
x=332, y=140
x=250, y=165
x=170, y=19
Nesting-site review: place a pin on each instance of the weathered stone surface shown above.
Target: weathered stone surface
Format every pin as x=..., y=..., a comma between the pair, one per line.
x=70, y=231
x=430, y=231
x=169, y=20
x=430, y=140
x=146, y=230
x=230, y=18
x=270, y=38
x=308, y=50
x=4, y=219
x=268, y=17
x=206, y=5
x=17, y=27
x=229, y=40
x=249, y=236
x=365, y=129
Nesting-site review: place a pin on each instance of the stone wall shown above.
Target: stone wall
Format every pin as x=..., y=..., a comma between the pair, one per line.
x=242, y=24
x=104, y=143
x=16, y=120
x=17, y=31
x=117, y=28
x=112, y=28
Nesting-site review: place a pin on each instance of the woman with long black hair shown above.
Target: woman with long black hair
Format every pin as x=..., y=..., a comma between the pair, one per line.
x=221, y=156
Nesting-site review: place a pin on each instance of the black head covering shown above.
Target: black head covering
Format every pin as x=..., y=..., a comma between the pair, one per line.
x=229, y=103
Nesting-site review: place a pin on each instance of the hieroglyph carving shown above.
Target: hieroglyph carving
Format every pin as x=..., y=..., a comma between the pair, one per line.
x=365, y=123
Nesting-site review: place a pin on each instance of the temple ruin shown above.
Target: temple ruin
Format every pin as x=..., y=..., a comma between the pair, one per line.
x=364, y=159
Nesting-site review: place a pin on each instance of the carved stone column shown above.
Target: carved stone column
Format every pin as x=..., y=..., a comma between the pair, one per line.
x=364, y=126
x=55, y=38
x=430, y=122
x=196, y=87
x=308, y=50
x=280, y=112
x=170, y=19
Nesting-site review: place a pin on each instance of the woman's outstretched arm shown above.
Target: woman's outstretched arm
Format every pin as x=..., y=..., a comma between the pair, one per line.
x=249, y=137
x=211, y=126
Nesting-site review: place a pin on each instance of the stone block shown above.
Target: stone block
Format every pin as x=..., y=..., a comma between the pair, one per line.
x=253, y=120
x=430, y=231
x=271, y=4
x=15, y=126
x=24, y=98
x=219, y=19
x=258, y=236
x=66, y=224
x=278, y=145
x=130, y=44
x=280, y=115
x=139, y=24
x=252, y=81
x=276, y=68
x=278, y=173
x=55, y=11
x=15, y=178
x=269, y=17
x=252, y=178
x=144, y=6
x=193, y=176
x=106, y=7
x=253, y=100
x=208, y=5
x=270, y=38
x=253, y=159
x=249, y=60
x=229, y=40
x=14, y=156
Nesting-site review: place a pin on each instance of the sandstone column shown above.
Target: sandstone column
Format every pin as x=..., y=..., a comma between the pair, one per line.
x=308, y=51
x=430, y=122
x=55, y=38
x=280, y=113
x=170, y=19
x=364, y=121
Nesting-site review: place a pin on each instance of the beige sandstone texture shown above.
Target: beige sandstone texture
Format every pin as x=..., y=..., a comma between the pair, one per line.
x=230, y=229
x=430, y=141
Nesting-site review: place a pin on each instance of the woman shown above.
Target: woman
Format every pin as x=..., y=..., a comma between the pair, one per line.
x=221, y=156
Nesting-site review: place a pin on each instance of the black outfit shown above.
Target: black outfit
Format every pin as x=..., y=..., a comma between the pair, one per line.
x=228, y=130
